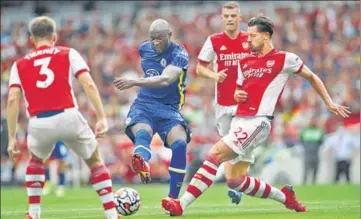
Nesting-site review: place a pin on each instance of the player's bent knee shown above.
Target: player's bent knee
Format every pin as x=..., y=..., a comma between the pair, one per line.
x=142, y=127
x=235, y=182
x=222, y=152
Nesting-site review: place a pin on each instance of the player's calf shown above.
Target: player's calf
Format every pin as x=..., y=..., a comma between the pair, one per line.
x=143, y=137
x=177, y=167
x=102, y=184
x=34, y=181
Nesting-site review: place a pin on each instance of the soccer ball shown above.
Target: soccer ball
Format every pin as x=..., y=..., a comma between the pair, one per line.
x=127, y=201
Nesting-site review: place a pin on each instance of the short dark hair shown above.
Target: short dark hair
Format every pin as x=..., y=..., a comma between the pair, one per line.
x=263, y=23
x=42, y=27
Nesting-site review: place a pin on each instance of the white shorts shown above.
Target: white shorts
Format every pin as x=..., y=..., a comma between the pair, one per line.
x=224, y=115
x=245, y=135
x=69, y=127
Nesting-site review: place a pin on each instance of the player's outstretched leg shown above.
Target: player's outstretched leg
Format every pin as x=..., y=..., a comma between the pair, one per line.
x=102, y=184
x=202, y=180
x=34, y=181
x=142, y=152
x=258, y=188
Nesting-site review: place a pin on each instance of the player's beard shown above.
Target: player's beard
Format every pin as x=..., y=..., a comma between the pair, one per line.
x=256, y=48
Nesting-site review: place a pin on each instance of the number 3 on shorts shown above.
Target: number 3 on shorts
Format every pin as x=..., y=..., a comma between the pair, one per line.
x=44, y=62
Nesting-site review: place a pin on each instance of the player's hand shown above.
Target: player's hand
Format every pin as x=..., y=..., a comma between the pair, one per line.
x=221, y=76
x=101, y=128
x=123, y=83
x=12, y=150
x=240, y=96
x=339, y=110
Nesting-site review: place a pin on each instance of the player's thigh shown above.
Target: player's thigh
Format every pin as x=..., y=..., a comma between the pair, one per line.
x=82, y=139
x=139, y=118
x=173, y=129
x=237, y=170
x=41, y=137
x=247, y=133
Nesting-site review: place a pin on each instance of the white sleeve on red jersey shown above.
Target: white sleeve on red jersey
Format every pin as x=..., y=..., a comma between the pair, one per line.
x=293, y=63
x=14, y=80
x=240, y=78
x=207, y=52
x=77, y=63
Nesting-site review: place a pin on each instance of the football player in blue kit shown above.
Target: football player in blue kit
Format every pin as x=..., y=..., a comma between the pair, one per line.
x=158, y=104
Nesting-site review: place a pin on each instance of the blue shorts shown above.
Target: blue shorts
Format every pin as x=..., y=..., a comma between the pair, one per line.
x=60, y=151
x=160, y=117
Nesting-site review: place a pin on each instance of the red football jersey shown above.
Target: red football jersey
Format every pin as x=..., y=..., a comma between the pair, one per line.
x=264, y=78
x=225, y=53
x=45, y=76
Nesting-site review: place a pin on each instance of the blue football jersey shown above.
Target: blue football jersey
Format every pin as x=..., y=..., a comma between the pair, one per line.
x=153, y=64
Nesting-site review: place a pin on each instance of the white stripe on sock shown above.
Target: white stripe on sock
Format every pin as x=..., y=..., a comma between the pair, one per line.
x=261, y=189
x=211, y=165
x=31, y=178
x=34, y=191
x=107, y=198
x=251, y=185
x=206, y=174
x=102, y=184
x=176, y=170
x=141, y=146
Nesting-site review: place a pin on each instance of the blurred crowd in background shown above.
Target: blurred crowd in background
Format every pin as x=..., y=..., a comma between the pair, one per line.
x=326, y=38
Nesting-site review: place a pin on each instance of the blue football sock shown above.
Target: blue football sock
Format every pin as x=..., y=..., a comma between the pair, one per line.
x=47, y=174
x=177, y=167
x=142, y=144
x=61, y=178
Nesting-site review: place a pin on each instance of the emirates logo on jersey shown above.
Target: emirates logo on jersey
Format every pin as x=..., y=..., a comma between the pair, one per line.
x=245, y=45
x=270, y=63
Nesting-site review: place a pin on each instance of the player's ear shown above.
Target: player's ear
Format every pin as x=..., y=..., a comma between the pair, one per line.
x=32, y=41
x=170, y=34
x=55, y=37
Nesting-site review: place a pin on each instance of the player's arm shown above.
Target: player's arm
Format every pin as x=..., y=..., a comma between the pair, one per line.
x=320, y=88
x=81, y=70
x=170, y=74
x=92, y=93
x=204, y=71
x=240, y=95
x=13, y=107
x=205, y=56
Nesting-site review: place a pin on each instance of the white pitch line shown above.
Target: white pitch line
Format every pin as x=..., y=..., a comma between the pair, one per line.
x=196, y=208
x=190, y=212
x=243, y=205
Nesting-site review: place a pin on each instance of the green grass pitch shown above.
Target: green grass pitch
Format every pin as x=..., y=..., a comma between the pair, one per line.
x=322, y=201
